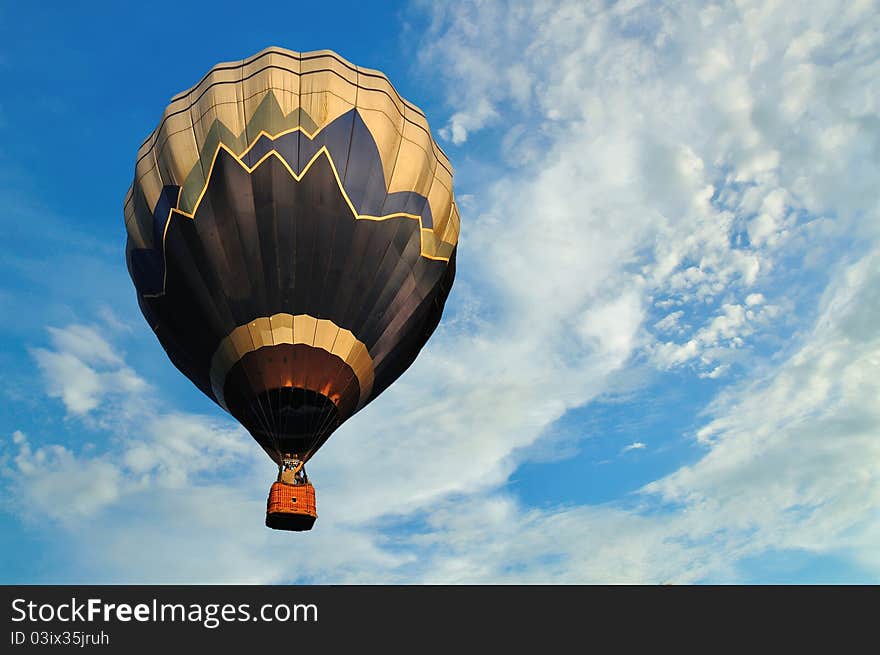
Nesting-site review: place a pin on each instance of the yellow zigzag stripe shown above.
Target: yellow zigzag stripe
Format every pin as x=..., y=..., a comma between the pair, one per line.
x=250, y=169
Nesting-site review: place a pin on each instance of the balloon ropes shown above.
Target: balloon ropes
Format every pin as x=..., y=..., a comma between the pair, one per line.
x=291, y=236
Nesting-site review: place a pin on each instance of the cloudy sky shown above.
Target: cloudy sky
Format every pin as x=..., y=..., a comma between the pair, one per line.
x=660, y=362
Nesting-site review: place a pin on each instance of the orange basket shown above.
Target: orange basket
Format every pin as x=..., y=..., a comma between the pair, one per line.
x=291, y=507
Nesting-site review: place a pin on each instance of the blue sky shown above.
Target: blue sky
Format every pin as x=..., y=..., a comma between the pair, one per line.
x=659, y=362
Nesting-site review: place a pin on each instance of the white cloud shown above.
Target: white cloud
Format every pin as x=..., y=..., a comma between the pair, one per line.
x=651, y=119
x=716, y=372
x=463, y=122
x=83, y=369
x=635, y=445
x=53, y=483
x=77, y=384
x=613, y=324
x=85, y=343
x=669, y=322
x=754, y=299
x=724, y=334
x=794, y=456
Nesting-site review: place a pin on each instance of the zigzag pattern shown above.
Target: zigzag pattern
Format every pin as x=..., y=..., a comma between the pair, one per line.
x=289, y=101
x=362, y=185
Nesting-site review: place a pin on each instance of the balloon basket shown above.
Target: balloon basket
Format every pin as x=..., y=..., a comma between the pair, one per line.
x=291, y=507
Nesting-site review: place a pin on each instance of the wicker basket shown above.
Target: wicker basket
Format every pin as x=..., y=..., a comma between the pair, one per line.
x=291, y=507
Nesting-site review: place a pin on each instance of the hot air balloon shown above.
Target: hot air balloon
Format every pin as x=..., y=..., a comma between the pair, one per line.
x=292, y=234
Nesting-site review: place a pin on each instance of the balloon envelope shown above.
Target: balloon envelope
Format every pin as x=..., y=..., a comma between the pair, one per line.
x=291, y=236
